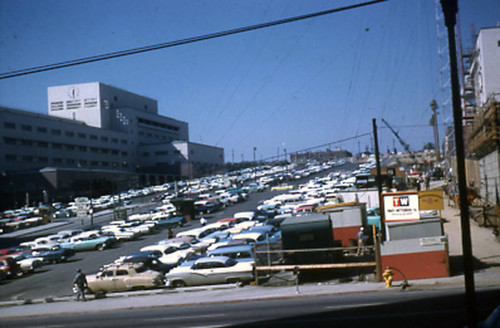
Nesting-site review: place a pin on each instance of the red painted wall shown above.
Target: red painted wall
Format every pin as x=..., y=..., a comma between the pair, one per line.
x=418, y=265
x=344, y=234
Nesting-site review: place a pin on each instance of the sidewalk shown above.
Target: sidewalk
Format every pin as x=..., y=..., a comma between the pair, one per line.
x=486, y=250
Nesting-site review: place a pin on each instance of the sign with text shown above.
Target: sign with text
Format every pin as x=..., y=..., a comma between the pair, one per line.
x=401, y=206
x=431, y=200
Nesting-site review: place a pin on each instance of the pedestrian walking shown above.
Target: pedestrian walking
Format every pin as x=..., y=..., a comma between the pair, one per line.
x=203, y=221
x=170, y=234
x=80, y=283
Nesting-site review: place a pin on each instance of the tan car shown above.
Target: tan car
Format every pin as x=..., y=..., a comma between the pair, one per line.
x=131, y=276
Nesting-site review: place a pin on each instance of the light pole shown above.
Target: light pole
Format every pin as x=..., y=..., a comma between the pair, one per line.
x=434, y=107
x=254, y=164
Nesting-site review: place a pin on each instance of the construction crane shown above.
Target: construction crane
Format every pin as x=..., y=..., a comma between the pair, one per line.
x=401, y=141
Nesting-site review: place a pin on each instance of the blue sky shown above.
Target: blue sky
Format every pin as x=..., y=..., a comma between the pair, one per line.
x=290, y=87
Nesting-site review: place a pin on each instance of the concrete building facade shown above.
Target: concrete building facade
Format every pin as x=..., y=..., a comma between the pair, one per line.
x=99, y=133
x=483, y=120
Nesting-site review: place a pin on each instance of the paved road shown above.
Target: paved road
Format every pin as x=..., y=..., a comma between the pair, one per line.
x=384, y=309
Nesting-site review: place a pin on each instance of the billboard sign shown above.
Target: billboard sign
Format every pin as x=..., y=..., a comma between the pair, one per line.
x=403, y=206
x=431, y=200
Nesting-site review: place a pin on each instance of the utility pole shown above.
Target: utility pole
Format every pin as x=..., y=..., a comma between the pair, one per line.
x=434, y=107
x=450, y=10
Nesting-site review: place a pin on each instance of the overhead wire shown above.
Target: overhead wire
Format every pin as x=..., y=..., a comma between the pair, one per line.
x=122, y=53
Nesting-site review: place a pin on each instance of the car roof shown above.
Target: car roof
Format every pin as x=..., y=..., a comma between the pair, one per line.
x=212, y=259
x=232, y=248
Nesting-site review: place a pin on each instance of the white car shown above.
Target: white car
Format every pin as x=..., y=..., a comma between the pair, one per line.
x=121, y=233
x=28, y=263
x=210, y=270
x=172, y=253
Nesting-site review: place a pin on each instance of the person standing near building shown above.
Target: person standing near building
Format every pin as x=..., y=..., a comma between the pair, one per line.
x=80, y=282
x=203, y=221
x=361, y=241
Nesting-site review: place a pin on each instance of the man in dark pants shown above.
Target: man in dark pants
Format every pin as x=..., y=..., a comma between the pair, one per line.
x=80, y=282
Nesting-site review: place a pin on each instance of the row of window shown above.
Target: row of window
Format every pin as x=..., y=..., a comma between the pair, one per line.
x=58, y=160
x=60, y=146
x=157, y=124
x=59, y=132
x=157, y=136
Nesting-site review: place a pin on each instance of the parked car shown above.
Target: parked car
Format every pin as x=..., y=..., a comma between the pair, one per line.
x=124, y=277
x=27, y=263
x=9, y=267
x=240, y=253
x=52, y=253
x=89, y=243
x=150, y=263
x=211, y=270
x=172, y=253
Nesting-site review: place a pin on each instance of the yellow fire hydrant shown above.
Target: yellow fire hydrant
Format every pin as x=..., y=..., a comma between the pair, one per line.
x=388, y=276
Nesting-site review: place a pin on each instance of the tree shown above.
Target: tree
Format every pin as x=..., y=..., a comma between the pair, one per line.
x=429, y=146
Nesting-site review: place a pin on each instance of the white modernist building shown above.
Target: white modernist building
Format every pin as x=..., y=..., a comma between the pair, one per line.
x=99, y=133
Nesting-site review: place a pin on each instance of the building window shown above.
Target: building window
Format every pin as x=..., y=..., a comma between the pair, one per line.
x=27, y=158
x=145, y=154
x=43, y=144
x=56, y=132
x=104, y=151
x=9, y=141
x=115, y=98
x=70, y=161
x=26, y=127
x=114, y=140
x=94, y=163
x=56, y=146
x=82, y=162
x=70, y=147
x=57, y=160
x=105, y=139
x=69, y=134
x=9, y=125
x=27, y=142
x=10, y=157
x=106, y=164
x=41, y=129
x=82, y=136
x=124, y=153
x=93, y=137
x=94, y=149
x=124, y=142
x=114, y=152
x=43, y=159
x=82, y=148
x=160, y=153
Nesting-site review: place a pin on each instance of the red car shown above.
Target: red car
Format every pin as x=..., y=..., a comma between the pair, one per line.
x=9, y=266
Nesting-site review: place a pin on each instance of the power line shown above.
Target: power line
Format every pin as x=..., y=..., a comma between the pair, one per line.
x=122, y=53
x=322, y=145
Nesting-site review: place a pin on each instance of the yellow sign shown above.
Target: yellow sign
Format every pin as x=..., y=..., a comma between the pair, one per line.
x=430, y=200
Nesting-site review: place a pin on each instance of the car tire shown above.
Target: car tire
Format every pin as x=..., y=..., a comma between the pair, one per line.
x=178, y=284
x=100, y=247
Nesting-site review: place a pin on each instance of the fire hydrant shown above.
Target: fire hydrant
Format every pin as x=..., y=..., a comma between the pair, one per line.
x=388, y=276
